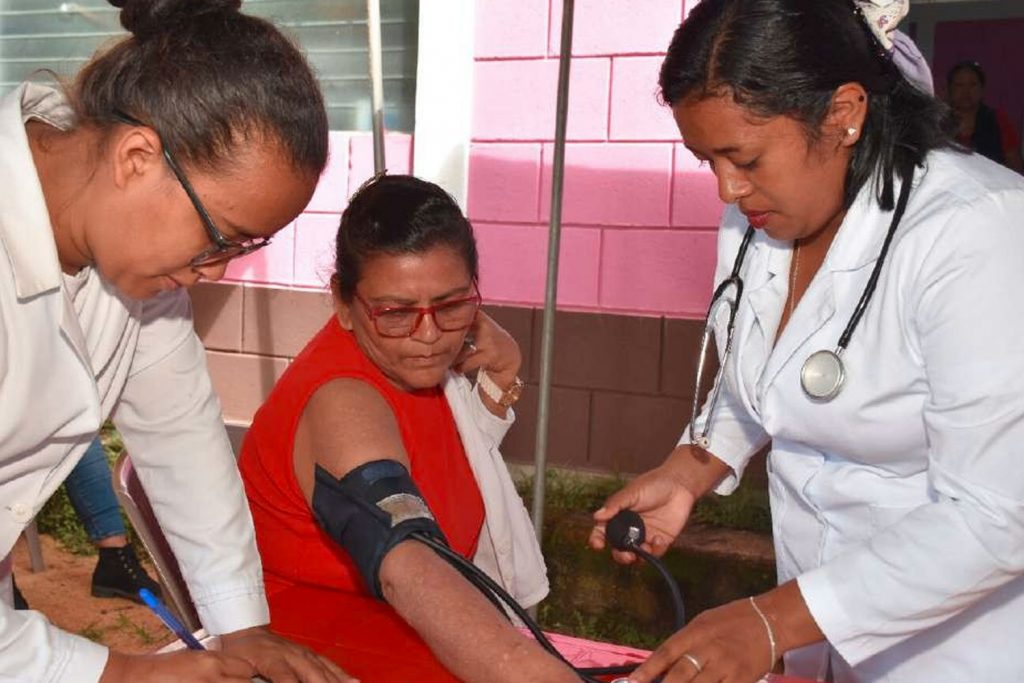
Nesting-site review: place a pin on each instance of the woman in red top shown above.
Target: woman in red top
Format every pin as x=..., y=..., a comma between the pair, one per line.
x=376, y=383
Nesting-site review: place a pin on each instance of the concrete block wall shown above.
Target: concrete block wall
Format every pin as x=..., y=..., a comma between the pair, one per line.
x=301, y=255
x=622, y=383
x=639, y=213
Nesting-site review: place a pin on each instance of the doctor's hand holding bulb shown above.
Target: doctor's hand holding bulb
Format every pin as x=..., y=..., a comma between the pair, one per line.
x=189, y=142
x=861, y=331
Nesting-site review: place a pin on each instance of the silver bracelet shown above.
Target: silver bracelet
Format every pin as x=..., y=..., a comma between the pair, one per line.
x=768, y=628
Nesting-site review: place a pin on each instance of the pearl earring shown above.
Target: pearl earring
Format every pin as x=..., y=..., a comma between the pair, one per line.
x=851, y=131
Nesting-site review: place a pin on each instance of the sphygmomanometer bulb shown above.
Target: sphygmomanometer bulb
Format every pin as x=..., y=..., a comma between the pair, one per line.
x=625, y=531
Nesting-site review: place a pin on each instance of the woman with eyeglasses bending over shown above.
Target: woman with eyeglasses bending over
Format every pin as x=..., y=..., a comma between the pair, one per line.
x=188, y=143
x=871, y=265
x=374, y=432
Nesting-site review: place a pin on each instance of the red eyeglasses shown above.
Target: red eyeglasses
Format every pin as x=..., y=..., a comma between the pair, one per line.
x=403, y=321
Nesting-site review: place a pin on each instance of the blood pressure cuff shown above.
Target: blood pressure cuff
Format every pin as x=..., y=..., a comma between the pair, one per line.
x=371, y=510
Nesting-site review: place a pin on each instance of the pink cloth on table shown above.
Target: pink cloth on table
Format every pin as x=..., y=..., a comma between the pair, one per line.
x=591, y=653
x=588, y=653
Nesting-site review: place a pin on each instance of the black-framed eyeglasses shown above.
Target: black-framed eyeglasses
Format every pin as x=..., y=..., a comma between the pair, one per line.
x=223, y=249
x=403, y=321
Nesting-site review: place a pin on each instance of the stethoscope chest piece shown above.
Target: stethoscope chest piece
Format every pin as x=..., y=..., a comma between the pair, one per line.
x=822, y=375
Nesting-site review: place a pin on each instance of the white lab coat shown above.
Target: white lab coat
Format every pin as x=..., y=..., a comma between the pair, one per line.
x=507, y=548
x=898, y=506
x=64, y=367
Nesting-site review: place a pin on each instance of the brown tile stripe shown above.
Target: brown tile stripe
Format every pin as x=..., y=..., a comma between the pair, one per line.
x=622, y=384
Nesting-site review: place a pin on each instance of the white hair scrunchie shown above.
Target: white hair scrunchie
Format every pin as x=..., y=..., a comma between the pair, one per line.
x=883, y=16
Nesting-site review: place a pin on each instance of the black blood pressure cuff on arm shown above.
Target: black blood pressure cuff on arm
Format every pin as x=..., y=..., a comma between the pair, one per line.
x=371, y=510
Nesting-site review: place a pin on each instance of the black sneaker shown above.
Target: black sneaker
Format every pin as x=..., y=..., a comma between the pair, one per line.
x=118, y=574
x=19, y=600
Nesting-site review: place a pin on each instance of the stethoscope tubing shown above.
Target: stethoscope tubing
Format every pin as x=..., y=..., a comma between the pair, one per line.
x=736, y=280
x=717, y=299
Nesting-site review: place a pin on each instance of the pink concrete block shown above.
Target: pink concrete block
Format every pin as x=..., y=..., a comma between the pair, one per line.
x=332, y=190
x=271, y=265
x=612, y=184
x=315, y=236
x=695, y=201
x=636, y=113
x=658, y=271
x=242, y=382
x=512, y=28
x=504, y=182
x=397, y=157
x=514, y=261
x=686, y=161
x=515, y=99
x=617, y=28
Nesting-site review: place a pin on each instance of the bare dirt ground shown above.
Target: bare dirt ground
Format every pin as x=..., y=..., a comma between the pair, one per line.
x=61, y=592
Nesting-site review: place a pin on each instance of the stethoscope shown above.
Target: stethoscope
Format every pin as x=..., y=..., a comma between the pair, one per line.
x=823, y=373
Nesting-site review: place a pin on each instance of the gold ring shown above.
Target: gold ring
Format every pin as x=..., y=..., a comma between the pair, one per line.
x=693, y=660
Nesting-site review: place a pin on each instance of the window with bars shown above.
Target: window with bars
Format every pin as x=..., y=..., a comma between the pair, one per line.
x=61, y=36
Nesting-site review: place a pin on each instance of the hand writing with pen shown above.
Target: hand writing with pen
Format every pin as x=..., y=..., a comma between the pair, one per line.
x=242, y=656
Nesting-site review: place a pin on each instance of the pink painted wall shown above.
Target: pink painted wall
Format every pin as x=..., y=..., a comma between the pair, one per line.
x=302, y=255
x=639, y=214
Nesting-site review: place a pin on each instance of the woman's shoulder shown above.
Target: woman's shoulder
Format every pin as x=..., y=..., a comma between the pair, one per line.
x=952, y=179
x=964, y=209
x=963, y=193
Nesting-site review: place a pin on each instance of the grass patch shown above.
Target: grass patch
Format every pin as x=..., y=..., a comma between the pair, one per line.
x=568, y=491
x=746, y=509
x=141, y=633
x=592, y=597
x=93, y=633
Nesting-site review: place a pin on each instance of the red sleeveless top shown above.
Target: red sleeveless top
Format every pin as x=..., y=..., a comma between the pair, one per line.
x=294, y=549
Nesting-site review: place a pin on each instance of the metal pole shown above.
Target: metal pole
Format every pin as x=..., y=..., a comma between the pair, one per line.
x=35, y=549
x=376, y=83
x=550, y=294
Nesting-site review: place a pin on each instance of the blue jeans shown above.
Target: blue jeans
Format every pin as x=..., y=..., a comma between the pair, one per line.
x=91, y=491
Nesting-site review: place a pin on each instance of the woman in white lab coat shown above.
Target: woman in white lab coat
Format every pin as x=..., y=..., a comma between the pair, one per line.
x=895, y=410
x=180, y=147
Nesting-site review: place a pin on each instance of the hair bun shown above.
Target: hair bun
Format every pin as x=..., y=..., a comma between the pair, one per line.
x=143, y=18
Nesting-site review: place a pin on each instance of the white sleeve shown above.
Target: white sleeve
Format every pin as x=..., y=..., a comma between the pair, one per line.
x=31, y=648
x=35, y=651
x=945, y=556
x=507, y=549
x=173, y=429
x=491, y=427
x=735, y=435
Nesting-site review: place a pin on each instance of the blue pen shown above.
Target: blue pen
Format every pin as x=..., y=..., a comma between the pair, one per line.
x=170, y=621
